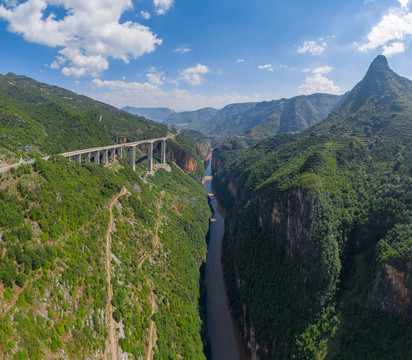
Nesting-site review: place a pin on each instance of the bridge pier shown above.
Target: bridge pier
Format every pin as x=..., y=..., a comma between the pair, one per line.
x=163, y=151
x=120, y=152
x=78, y=159
x=113, y=154
x=96, y=157
x=132, y=157
x=150, y=157
x=105, y=159
x=87, y=157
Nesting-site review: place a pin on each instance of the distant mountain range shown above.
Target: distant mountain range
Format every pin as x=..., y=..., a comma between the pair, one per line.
x=256, y=119
x=156, y=114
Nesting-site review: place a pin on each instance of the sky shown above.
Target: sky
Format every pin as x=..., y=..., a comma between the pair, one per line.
x=190, y=54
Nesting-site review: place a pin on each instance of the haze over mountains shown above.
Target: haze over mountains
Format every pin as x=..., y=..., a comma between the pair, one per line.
x=257, y=120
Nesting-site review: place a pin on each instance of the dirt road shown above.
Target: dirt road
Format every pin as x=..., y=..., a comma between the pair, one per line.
x=109, y=307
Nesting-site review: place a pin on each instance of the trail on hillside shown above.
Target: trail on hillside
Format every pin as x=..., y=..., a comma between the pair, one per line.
x=151, y=299
x=109, y=307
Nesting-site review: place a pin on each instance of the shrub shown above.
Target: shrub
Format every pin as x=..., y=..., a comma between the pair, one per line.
x=20, y=279
x=116, y=315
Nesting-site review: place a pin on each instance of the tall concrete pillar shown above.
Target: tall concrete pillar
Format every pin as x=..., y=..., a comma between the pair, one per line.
x=78, y=158
x=163, y=151
x=96, y=156
x=150, y=157
x=132, y=157
x=113, y=154
x=120, y=152
x=87, y=157
x=105, y=159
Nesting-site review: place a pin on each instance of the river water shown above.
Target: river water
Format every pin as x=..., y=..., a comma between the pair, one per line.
x=221, y=330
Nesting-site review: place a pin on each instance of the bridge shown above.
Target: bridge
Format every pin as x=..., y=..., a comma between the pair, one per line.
x=210, y=138
x=103, y=154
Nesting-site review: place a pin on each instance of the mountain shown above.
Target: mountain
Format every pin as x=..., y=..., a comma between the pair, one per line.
x=278, y=116
x=156, y=114
x=55, y=120
x=316, y=252
x=258, y=120
x=193, y=120
x=96, y=259
x=252, y=120
x=378, y=105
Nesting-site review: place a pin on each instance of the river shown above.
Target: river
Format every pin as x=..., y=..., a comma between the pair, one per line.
x=221, y=330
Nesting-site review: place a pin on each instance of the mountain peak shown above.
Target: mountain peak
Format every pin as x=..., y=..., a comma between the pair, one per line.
x=379, y=65
x=380, y=60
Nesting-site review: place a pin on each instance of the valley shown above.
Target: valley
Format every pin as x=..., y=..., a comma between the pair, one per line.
x=125, y=254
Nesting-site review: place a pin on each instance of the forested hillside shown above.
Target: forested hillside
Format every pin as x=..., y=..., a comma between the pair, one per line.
x=54, y=230
x=317, y=250
x=54, y=120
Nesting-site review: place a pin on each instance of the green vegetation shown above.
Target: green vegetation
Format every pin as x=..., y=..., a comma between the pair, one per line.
x=54, y=216
x=53, y=219
x=255, y=121
x=318, y=223
x=54, y=120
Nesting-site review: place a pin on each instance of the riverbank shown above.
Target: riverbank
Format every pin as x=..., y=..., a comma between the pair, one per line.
x=222, y=333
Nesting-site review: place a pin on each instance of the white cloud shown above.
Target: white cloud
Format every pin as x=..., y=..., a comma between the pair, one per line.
x=312, y=48
x=56, y=64
x=394, y=48
x=193, y=75
x=156, y=78
x=162, y=6
x=120, y=93
x=391, y=31
x=305, y=70
x=89, y=33
x=145, y=15
x=265, y=67
x=322, y=70
x=286, y=67
x=182, y=49
x=240, y=61
x=319, y=84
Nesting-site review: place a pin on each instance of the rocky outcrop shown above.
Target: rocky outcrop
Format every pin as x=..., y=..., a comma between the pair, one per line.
x=179, y=156
x=392, y=291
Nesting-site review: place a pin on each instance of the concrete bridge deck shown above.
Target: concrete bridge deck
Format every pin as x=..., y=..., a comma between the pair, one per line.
x=103, y=151
x=115, y=146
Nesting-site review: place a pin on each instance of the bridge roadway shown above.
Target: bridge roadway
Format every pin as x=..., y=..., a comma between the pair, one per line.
x=109, y=151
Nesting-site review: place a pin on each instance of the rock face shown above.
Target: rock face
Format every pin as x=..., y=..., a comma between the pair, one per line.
x=287, y=220
x=392, y=291
x=185, y=161
x=284, y=223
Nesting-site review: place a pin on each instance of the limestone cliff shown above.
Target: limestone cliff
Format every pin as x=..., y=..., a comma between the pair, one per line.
x=392, y=291
x=287, y=256
x=182, y=158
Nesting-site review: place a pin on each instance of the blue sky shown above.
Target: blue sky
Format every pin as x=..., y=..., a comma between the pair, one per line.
x=188, y=54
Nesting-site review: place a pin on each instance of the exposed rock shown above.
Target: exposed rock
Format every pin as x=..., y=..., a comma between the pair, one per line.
x=392, y=291
x=186, y=162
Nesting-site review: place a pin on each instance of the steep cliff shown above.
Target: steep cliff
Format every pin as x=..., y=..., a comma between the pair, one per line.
x=317, y=243
x=187, y=155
